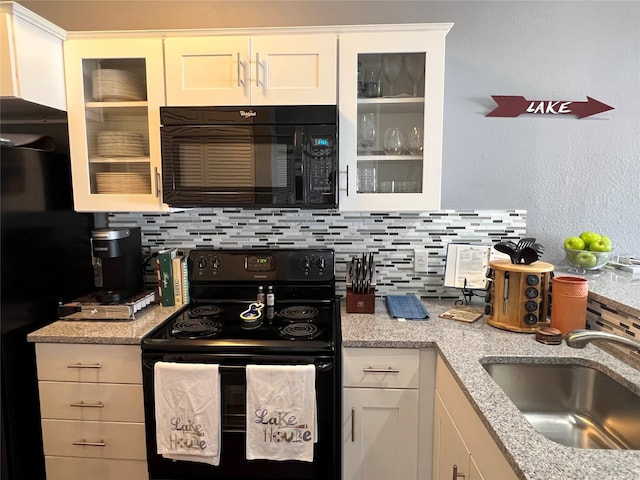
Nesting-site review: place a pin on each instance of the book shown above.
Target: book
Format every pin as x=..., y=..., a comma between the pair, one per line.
x=178, y=278
x=466, y=265
x=165, y=276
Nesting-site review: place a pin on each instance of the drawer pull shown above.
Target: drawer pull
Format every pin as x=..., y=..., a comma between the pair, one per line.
x=84, y=365
x=89, y=405
x=380, y=370
x=84, y=443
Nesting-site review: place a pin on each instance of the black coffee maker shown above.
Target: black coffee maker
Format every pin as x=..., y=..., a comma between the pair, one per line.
x=117, y=263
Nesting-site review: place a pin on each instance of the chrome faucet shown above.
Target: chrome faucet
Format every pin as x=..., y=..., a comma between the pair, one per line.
x=579, y=339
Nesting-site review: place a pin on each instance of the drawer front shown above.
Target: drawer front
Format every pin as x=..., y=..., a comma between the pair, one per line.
x=105, y=402
x=71, y=438
x=89, y=363
x=381, y=367
x=72, y=468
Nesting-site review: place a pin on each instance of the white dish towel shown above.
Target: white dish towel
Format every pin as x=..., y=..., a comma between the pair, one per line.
x=281, y=412
x=187, y=407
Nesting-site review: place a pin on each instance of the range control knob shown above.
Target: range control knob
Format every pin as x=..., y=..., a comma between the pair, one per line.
x=306, y=263
x=322, y=263
x=530, y=319
x=202, y=262
x=215, y=263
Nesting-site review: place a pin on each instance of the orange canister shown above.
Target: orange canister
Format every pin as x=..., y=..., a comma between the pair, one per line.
x=569, y=303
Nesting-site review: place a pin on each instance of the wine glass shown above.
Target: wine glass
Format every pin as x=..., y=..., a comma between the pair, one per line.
x=414, y=65
x=393, y=141
x=367, y=130
x=414, y=141
x=392, y=66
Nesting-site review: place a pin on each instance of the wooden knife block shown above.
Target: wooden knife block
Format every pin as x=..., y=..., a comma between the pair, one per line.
x=361, y=302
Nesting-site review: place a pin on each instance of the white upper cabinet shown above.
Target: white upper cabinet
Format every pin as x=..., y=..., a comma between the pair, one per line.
x=115, y=89
x=391, y=93
x=251, y=70
x=31, y=59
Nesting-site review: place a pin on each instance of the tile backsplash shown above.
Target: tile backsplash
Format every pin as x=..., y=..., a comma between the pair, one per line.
x=392, y=237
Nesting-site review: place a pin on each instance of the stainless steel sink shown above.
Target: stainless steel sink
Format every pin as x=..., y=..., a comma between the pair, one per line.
x=573, y=405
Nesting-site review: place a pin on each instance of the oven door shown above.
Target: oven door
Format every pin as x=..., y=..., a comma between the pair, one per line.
x=233, y=464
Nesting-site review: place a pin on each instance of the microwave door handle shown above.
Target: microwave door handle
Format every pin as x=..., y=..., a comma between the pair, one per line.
x=238, y=68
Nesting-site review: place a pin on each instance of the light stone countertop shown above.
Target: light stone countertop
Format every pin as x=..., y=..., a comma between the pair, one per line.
x=463, y=347
x=113, y=332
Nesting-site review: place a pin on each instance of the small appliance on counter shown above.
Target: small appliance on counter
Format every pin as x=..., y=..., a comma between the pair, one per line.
x=117, y=263
x=518, y=296
x=118, y=276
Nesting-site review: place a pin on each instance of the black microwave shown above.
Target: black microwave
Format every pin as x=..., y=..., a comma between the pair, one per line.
x=263, y=156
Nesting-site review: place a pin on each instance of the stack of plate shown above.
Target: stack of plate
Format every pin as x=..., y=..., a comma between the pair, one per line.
x=122, y=183
x=116, y=85
x=120, y=144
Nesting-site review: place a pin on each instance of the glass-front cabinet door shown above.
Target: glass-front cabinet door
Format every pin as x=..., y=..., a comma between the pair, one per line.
x=391, y=103
x=114, y=90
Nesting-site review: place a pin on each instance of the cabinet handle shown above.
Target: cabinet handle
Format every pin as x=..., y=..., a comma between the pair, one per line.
x=84, y=443
x=380, y=370
x=238, y=62
x=347, y=180
x=84, y=365
x=88, y=405
x=457, y=475
x=353, y=425
x=157, y=174
x=257, y=69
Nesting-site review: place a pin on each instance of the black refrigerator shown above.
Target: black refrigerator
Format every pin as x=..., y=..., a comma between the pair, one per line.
x=45, y=259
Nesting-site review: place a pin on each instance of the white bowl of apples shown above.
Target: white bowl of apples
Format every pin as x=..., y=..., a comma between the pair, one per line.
x=587, y=251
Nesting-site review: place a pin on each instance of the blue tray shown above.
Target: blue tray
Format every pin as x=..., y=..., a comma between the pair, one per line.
x=406, y=306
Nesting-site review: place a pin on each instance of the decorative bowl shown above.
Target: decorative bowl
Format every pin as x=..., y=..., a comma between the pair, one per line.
x=587, y=259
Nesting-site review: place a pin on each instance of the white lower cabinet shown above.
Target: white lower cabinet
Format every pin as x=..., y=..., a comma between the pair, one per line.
x=380, y=414
x=92, y=411
x=462, y=445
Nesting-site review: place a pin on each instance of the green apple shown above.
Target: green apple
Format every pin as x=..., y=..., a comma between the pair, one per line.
x=588, y=237
x=601, y=245
x=586, y=259
x=574, y=243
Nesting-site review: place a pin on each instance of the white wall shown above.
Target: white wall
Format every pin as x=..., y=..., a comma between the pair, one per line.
x=569, y=174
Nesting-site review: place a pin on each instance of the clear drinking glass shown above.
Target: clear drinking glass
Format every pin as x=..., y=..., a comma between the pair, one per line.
x=414, y=65
x=392, y=66
x=415, y=141
x=393, y=141
x=372, y=83
x=367, y=131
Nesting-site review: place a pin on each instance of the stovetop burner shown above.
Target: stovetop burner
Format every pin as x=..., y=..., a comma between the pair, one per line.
x=196, y=328
x=301, y=312
x=300, y=331
x=205, y=311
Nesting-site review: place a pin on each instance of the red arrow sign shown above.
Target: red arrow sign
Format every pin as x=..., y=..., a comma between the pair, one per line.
x=512, y=106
